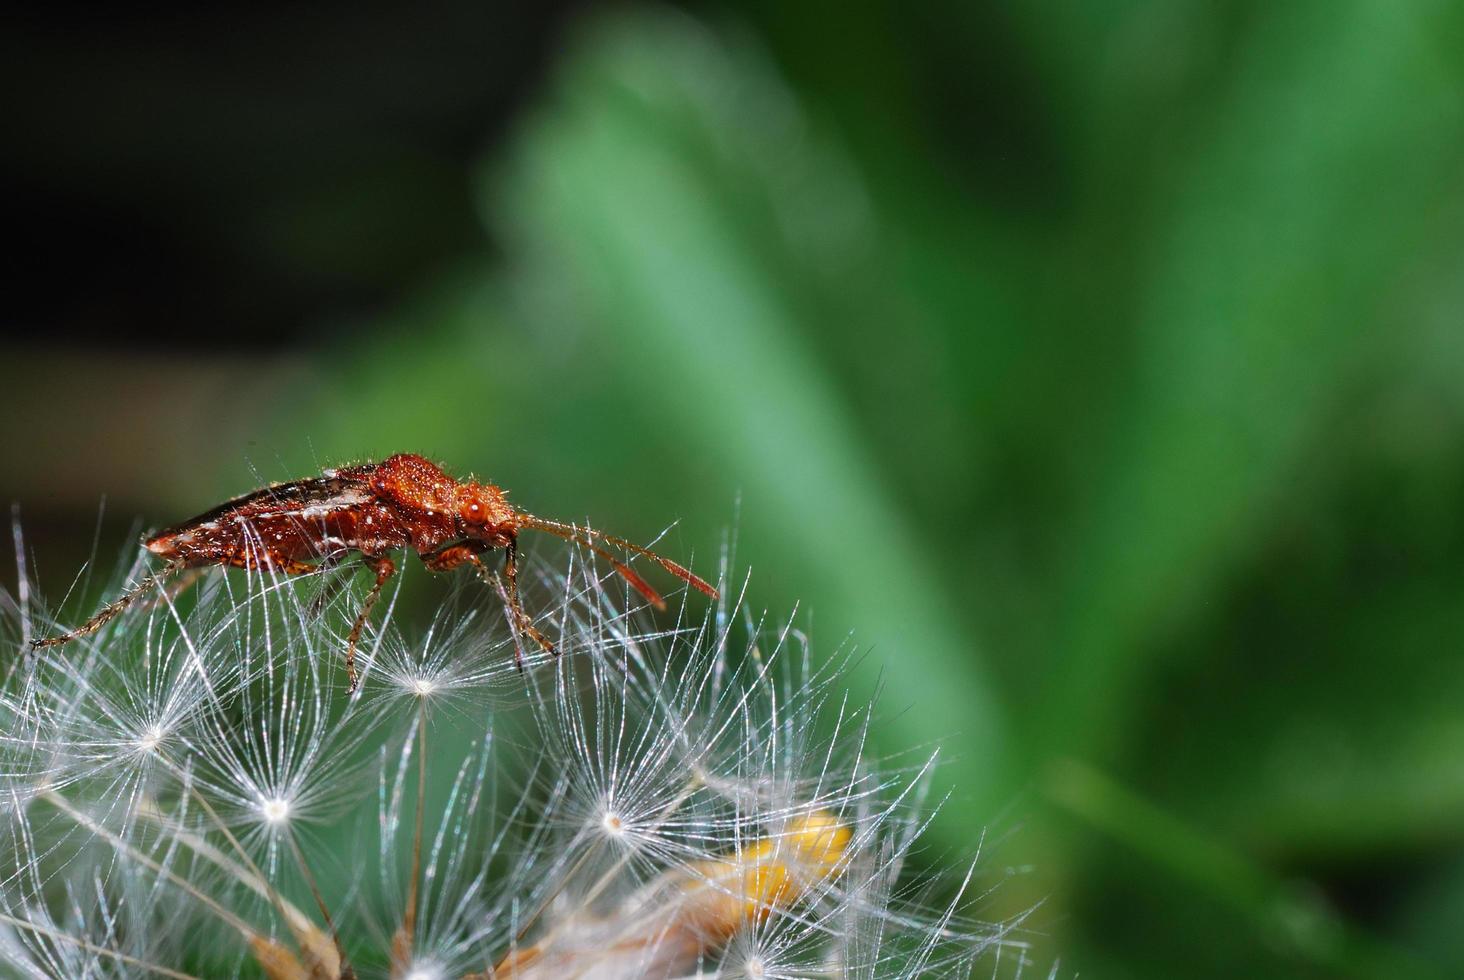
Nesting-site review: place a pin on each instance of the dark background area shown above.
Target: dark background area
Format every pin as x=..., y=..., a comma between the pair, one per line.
x=227, y=178
x=1099, y=366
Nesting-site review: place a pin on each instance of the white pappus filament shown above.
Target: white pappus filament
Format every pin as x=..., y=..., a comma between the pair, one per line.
x=190, y=792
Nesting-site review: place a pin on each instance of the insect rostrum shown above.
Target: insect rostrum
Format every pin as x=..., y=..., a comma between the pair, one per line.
x=404, y=502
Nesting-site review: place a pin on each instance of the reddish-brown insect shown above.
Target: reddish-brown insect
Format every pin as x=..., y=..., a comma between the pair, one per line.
x=403, y=502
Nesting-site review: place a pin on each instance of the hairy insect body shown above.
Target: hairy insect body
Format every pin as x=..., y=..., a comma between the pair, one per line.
x=376, y=508
x=403, y=503
x=282, y=524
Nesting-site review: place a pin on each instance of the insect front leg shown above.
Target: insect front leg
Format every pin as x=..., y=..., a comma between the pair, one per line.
x=111, y=609
x=385, y=568
x=516, y=608
x=453, y=556
x=270, y=563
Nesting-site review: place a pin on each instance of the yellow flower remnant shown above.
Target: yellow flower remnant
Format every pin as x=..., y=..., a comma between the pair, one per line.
x=727, y=893
x=686, y=912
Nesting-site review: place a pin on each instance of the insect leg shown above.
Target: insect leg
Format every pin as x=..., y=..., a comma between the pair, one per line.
x=269, y=563
x=185, y=581
x=446, y=559
x=454, y=555
x=111, y=609
x=385, y=568
x=516, y=609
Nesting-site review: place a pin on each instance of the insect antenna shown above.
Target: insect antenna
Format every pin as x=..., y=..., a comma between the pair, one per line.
x=586, y=536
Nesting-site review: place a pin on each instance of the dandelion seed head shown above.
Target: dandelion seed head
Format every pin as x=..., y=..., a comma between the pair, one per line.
x=690, y=800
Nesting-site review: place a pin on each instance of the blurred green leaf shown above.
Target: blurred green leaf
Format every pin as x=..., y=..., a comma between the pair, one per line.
x=1286, y=915
x=1263, y=301
x=644, y=197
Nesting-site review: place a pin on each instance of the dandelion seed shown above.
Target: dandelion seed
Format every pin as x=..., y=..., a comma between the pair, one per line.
x=150, y=738
x=275, y=810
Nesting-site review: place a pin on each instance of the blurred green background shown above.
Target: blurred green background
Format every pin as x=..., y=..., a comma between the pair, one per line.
x=1097, y=366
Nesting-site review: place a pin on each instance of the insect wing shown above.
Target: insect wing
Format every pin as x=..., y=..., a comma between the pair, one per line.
x=300, y=499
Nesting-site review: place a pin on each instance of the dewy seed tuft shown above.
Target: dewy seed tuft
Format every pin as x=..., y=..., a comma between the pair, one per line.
x=191, y=793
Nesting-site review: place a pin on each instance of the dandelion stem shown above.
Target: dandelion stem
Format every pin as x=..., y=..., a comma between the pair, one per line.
x=310, y=882
x=404, y=938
